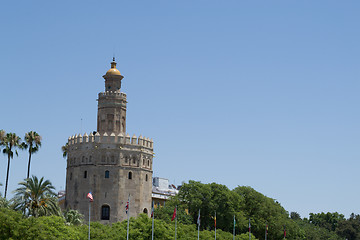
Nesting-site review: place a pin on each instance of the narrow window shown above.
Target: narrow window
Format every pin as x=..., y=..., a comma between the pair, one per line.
x=70, y=176
x=130, y=175
x=105, y=212
x=146, y=177
x=85, y=174
x=107, y=174
x=148, y=162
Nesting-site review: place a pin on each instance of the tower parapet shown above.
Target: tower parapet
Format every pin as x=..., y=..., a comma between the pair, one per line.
x=112, y=138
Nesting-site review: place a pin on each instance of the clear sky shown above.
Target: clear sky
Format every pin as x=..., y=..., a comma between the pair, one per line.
x=256, y=93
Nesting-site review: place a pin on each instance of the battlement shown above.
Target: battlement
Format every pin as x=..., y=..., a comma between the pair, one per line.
x=112, y=93
x=112, y=138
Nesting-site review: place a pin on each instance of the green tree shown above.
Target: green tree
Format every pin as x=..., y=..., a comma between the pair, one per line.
x=326, y=220
x=36, y=198
x=349, y=228
x=10, y=142
x=33, y=142
x=295, y=216
x=3, y=202
x=64, y=150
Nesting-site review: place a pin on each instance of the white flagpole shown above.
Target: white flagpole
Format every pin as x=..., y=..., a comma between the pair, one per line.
x=198, y=223
x=128, y=213
x=152, y=228
x=234, y=229
x=175, y=220
x=249, y=230
x=215, y=225
x=266, y=227
x=89, y=218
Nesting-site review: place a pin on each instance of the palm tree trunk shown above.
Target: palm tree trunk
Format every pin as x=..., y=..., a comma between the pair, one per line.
x=7, y=174
x=28, y=173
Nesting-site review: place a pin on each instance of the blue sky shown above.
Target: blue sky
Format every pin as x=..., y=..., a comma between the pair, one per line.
x=257, y=93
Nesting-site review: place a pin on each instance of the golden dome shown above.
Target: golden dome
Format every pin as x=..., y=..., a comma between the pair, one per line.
x=113, y=71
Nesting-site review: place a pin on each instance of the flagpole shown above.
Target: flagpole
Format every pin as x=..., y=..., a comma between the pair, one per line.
x=266, y=232
x=198, y=222
x=215, y=225
x=128, y=213
x=152, y=228
x=89, y=218
x=175, y=220
x=249, y=230
x=234, y=229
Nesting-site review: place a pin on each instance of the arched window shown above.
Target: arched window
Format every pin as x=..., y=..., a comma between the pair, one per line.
x=107, y=174
x=146, y=177
x=85, y=174
x=130, y=175
x=105, y=212
x=148, y=162
x=145, y=211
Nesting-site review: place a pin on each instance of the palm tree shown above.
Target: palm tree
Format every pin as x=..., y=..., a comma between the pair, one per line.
x=10, y=142
x=65, y=149
x=2, y=135
x=73, y=217
x=33, y=141
x=36, y=198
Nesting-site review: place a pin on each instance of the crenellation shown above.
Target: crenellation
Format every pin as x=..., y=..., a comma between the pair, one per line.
x=140, y=141
x=97, y=137
x=121, y=138
x=79, y=138
x=85, y=138
x=104, y=138
x=134, y=140
x=91, y=137
x=127, y=139
x=112, y=138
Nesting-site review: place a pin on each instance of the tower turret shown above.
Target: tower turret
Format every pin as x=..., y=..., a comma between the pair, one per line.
x=113, y=78
x=112, y=104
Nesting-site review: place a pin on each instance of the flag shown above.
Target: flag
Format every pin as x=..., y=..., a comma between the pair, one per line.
x=267, y=229
x=215, y=220
x=249, y=226
x=152, y=210
x=174, y=215
x=90, y=197
x=127, y=206
x=198, y=220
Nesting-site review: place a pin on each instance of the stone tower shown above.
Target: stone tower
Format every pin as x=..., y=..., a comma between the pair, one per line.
x=109, y=163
